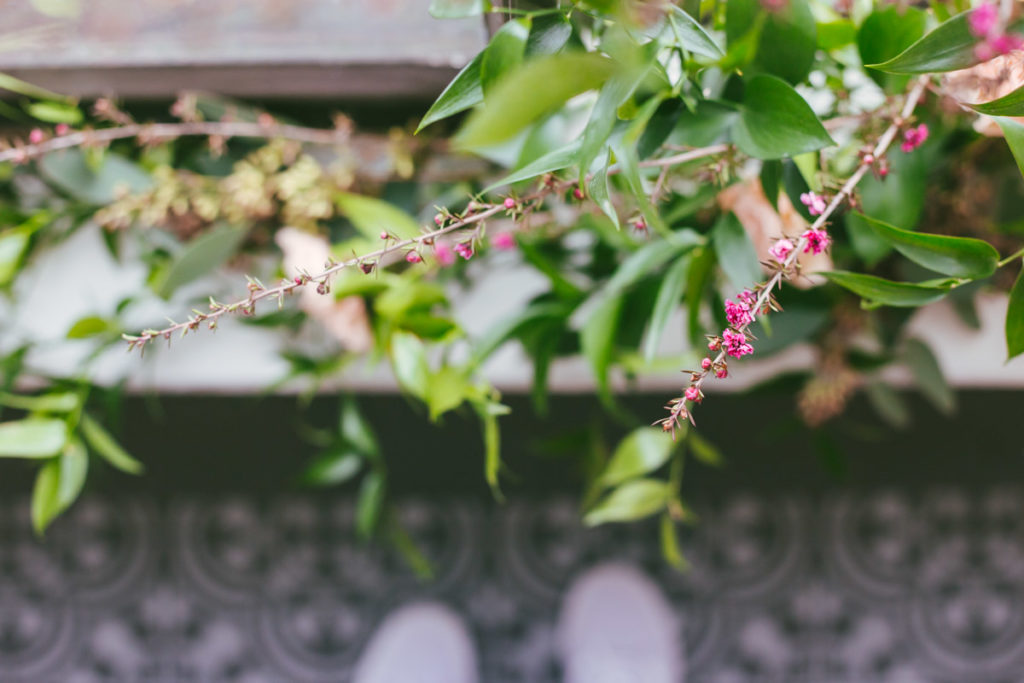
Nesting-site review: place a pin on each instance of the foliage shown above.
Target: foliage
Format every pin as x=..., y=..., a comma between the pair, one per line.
x=650, y=162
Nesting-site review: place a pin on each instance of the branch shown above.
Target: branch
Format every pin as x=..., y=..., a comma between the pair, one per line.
x=763, y=303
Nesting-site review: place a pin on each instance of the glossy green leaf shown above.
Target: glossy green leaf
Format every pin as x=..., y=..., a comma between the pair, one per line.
x=928, y=375
x=1013, y=132
x=604, y=115
x=372, y=216
x=333, y=468
x=89, y=326
x=669, y=294
x=886, y=292
x=775, y=121
x=71, y=172
x=534, y=89
x=949, y=47
x=504, y=53
x=45, y=505
x=32, y=438
x=1015, y=319
x=736, y=253
x=885, y=33
x=599, y=191
x=14, y=243
x=457, y=9
x=446, y=389
x=786, y=42
x=642, y=451
x=555, y=160
x=955, y=256
x=370, y=504
x=548, y=34
x=1007, y=105
x=74, y=466
x=56, y=402
x=201, y=256
x=833, y=35
x=409, y=362
x=463, y=92
x=55, y=112
x=646, y=261
x=100, y=440
x=631, y=501
x=690, y=35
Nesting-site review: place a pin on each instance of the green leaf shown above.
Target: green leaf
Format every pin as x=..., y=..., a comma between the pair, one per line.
x=90, y=326
x=537, y=87
x=704, y=450
x=356, y=431
x=55, y=112
x=69, y=170
x=633, y=500
x=409, y=362
x=1007, y=105
x=836, y=34
x=643, y=451
x=785, y=44
x=1015, y=319
x=930, y=380
x=463, y=92
x=370, y=504
x=21, y=87
x=548, y=34
x=885, y=33
x=456, y=9
x=599, y=192
x=555, y=160
x=14, y=244
x=690, y=35
x=45, y=505
x=372, y=216
x=736, y=253
x=646, y=261
x=955, y=256
x=100, y=440
x=670, y=544
x=504, y=53
x=889, y=405
x=199, y=257
x=32, y=438
x=669, y=294
x=947, y=48
x=597, y=341
x=775, y=121
x=333, y=468
x=604, y=115
x=489, y=412
x=446, y=390
x=1014, y=134
x=57, y=402
x=510, y=327
x=74, y=465
x=886, y=292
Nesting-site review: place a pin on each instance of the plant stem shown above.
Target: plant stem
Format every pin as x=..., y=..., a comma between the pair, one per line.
x=1011, y=257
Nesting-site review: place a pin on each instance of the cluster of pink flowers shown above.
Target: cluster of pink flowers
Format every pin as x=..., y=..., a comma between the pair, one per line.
x=444, y=254
x=815, y=203
x=984, y=23
x=413, y=257
x=735, y=343
x=781, y=250
x=817, y=240
x=464, y=249
x=503, y=241
x=914, y=138
x=738, y=313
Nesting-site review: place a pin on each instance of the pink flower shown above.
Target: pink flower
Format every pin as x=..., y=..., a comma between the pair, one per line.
x=63, y=129
x=640, y=225
x=503, y=241
x=444, y=254
x=692, y=394
x=705, y=364
x=817, y=241
x=510, y=203
x=914, y=138
x=439, y=219
x=781, y=250
x=1006, y=43
x=722, y=372
x=577, y=194
x=735, y=343
x=747, y=297
x=738, y=314
x=465, y=250
x=413, y=257
x=983, y=20
x=36, y=136
x=815, y=203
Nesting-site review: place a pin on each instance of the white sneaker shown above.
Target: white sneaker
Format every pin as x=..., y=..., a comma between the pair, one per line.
x=616, y=627
x=424, y=643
